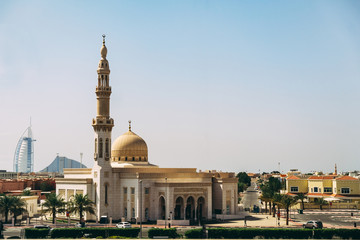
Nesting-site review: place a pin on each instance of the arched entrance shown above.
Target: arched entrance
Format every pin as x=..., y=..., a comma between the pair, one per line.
x=190, y=208
x=179, y=208
x=161, y=208
x=201, y=210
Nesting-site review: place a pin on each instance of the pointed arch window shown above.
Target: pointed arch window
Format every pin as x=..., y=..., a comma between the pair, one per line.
x=107, y=147
x=100, y=148
x=106, y=192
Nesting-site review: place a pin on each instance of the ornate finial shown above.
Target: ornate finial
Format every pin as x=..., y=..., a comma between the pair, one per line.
x=103, y=38
x=130, y=125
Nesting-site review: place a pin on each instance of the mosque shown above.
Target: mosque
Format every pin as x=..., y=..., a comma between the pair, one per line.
x=125, y=185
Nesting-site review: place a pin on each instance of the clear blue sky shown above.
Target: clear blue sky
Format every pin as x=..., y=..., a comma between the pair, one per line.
x=227, y=85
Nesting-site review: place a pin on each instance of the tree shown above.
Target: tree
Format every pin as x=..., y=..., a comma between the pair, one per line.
x=243, y=181
x=277, y=199
x=47, y=185
x=266, y=196
x=321, y=202
x=301, y=197
x=5, y=204
x=287, y=202
x=271, y=187
x=80, y=204
x=54, y=204
x=18, y=207
x=27, y=192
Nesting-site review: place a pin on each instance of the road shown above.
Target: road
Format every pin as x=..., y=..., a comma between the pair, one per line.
x=251, y=197
x=335, y=218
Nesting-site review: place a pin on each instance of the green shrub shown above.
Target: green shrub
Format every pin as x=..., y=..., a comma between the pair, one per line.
x=94, y=232
x=124, y=232
x=36, y=233
x=284, y=233
x=170, y=232
x=194, y=233
x=67, y=233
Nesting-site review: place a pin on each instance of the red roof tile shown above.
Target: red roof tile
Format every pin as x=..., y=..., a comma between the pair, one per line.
x=321, y=177
x=293, y=177
x=346, y=178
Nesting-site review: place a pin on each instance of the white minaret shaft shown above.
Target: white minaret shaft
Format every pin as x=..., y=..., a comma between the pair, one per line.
x=102, y=124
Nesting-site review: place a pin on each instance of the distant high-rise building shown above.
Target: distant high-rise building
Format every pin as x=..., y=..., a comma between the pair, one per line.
x=60, y=163
x=24, y=153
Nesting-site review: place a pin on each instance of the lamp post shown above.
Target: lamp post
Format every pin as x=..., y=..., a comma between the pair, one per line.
x=165, y=200
x=141, y=208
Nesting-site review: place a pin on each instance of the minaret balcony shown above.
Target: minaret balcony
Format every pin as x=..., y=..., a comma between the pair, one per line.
x=103, y=121
x=102, y=89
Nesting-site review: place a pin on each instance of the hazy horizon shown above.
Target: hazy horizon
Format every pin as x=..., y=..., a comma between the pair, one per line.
x=225, y=85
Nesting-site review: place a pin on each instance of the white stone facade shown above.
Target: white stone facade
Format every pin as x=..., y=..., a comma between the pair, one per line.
x=124, y=185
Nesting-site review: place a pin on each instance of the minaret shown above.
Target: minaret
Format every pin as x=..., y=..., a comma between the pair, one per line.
x=102, y=125
x=335, y=173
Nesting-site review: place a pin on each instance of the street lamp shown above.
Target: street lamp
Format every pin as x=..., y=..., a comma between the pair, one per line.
x=165, y=199
x=141, y=208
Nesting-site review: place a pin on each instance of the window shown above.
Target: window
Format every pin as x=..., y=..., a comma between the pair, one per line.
x=139, y=158
x=132, y=190
x=133, y=212
x=125, y=158
x=125, y=190
x=100, y=148
x=327, y=189
x=133, y=158
x=106, y=193
x=316, y=189
x=125, y=213
x=345, y=190
x=95, y=197
x=146, y=213
x=294, y=189
x=107, y=146
x=147, y=190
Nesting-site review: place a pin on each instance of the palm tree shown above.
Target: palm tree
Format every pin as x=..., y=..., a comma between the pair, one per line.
x=266, y=197
x=301, y=197
x=54, y=204
x=18, y=207
x=287, y=202
x=80, y=204
x=321, y=202
x=5, y=204
x=277, y=198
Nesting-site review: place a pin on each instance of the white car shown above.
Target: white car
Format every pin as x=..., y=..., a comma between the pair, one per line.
x=123, y=225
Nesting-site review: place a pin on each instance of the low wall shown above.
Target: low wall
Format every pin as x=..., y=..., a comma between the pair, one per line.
x=174, y=222
x=228, y=217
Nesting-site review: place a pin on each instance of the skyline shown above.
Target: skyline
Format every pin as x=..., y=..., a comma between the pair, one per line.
x=233, y=86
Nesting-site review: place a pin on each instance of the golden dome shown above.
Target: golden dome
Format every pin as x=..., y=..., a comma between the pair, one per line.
x=129, y=147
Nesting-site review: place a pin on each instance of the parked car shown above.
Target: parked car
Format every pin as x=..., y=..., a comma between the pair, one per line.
x=313, y=224
x=80, y=225
x=123, y=225
x=42, y=227
x=104, y=220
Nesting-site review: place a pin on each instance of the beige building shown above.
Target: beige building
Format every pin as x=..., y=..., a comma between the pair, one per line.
x=124, y=184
